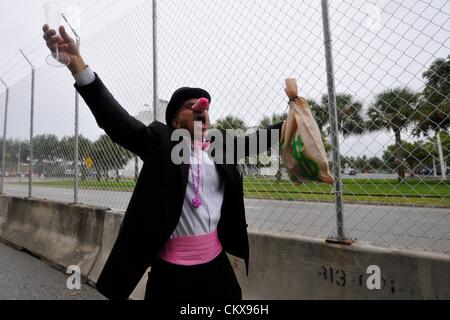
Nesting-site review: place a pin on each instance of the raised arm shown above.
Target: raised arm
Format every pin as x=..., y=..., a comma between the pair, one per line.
x=118, y=124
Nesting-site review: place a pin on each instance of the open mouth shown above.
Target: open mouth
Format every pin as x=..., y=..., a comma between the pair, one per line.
x=200, y=117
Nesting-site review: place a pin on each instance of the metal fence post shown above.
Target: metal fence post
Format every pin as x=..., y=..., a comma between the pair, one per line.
x=155, y=60
x=441, y=156
x=4, y=134
x=18, y=162
x=333, y=122
x=30, y=171
x=77, y=133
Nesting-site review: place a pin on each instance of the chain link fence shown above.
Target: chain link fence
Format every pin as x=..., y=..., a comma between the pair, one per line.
x=392, y=75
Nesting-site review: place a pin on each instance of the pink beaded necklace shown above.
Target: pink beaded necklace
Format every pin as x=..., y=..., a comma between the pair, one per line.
x=201, y=105
x=196, y=180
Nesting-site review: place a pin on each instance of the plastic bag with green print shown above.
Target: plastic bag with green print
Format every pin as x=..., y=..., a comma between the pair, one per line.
x=301, y=146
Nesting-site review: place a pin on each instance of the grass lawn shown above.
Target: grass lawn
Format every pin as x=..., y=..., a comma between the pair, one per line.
x=413, y=191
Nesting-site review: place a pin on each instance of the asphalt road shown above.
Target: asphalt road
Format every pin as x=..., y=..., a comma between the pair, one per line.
x=24, y=277
x=386, y=226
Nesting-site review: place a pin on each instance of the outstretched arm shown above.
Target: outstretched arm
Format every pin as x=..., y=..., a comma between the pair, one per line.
x=120, y=126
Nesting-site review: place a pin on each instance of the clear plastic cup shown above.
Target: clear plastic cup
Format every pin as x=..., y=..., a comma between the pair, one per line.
x=53, y=16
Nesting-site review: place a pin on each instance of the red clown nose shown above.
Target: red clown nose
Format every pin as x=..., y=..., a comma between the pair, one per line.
x=202, y=105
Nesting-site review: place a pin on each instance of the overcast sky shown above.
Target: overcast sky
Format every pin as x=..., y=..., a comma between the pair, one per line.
x=21, y=20
x=241, y=51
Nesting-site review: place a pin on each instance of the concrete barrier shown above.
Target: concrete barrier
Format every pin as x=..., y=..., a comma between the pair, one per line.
x=5, y=203
x=62, y=234
x=111, y=227
x=281, y=267
x=304, y=268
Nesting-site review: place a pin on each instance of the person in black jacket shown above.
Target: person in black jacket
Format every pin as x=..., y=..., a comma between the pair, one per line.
x=182, y=218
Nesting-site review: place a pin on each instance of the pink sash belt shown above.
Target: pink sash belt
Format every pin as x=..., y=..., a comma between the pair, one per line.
x=192, y=250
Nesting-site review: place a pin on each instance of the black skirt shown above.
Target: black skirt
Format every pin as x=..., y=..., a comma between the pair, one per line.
x=214, y=281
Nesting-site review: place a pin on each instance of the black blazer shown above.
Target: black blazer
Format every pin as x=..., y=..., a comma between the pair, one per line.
x=156, y=204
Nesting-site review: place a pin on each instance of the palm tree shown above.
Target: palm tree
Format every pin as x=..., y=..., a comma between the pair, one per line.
x=433, y=111
x=434, y=108
x=231, y=122
x=349, y=111
x=266, y=122
x=393, y=110
x=320, y=113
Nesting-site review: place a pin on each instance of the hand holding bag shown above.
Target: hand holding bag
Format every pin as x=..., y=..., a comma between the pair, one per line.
x=302, y=148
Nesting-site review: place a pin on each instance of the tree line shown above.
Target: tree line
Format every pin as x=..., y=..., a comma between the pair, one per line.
x=397, y=110
x=425, y=113
x=54, y=157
